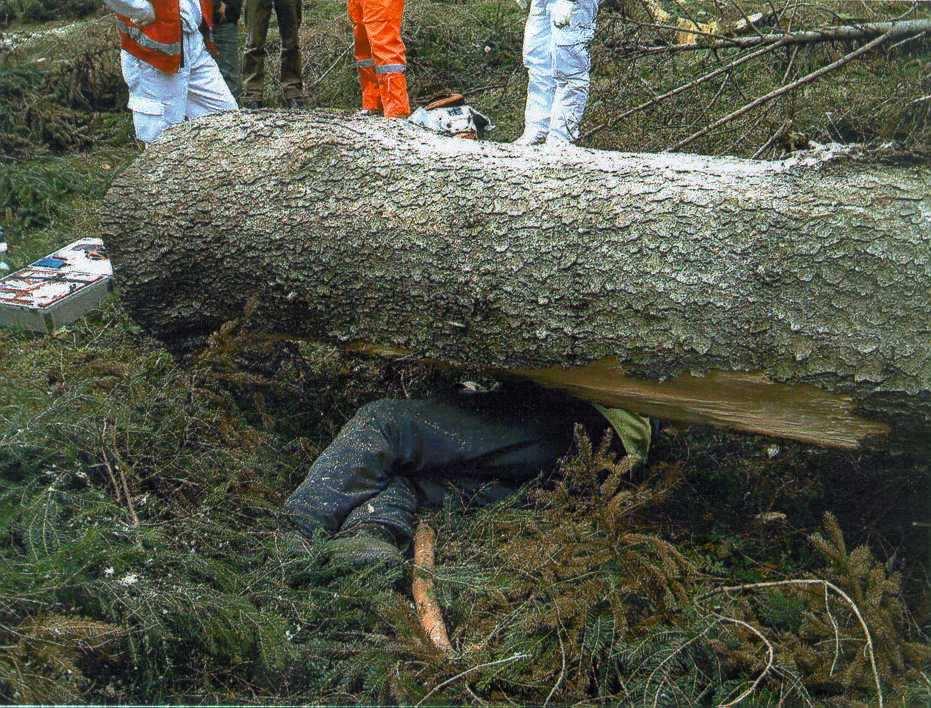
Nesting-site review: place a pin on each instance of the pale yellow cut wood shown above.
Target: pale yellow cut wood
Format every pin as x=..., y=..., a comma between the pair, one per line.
x=741, y=401
x=428, y=611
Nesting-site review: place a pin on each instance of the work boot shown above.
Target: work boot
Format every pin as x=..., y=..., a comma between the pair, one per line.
x=297, y=102
x=365, y=545
x=530, y=139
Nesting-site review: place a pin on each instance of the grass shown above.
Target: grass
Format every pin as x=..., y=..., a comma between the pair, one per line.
x=203, y=600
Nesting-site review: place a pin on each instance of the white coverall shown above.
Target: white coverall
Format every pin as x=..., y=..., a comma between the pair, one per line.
x=159, y=100
x=558, y=62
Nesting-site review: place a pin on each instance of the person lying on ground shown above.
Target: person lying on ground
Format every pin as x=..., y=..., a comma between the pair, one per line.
x=171, y=75
x=397, y=456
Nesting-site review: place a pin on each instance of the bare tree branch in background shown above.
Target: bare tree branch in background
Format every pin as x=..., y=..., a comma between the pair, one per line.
x=827, y=34
x=808, y=78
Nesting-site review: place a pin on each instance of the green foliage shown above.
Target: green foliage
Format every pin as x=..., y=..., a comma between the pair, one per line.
x=139, y=526
x=44, y=10
x=38, y=193
x=61, y=90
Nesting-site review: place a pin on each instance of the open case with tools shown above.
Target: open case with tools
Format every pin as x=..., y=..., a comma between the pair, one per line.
x=58, y=289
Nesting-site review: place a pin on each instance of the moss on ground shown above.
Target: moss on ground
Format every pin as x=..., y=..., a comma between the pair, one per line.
x=139, y=499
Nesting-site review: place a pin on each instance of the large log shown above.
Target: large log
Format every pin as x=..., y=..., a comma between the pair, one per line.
x=790, y=298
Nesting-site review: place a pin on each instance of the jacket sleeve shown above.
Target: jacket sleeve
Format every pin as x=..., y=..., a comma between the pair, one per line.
x=136, y=10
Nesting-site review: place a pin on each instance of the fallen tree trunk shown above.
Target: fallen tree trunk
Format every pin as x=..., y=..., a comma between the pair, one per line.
x=788, y=298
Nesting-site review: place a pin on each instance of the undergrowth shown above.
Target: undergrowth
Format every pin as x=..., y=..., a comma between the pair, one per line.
x=139, y=499
x=43, y=10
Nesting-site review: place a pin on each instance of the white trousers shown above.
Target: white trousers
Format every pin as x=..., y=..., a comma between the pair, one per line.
x=558, y=63
x=159, y=100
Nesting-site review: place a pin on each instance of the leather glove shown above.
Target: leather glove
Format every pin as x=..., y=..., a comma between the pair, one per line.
x=562, y=13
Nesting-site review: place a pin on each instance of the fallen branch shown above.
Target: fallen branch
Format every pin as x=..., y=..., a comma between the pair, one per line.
x=772, y=139
x=669, y=658
x=808, y=78
x=687, y=30
x=749, y=23
x=508, y=660
x=428, y=611
x=840, y=33
x=684, y=87
x=771, y=655
x=826, y=584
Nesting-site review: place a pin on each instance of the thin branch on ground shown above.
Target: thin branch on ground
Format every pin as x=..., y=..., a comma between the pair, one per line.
x=508, y=660
x=816, y=581
x=772, y=139
x=771, y=655
x=428, y=610
x=669, y=658
x=562, y=651
x=118, y=467
x=332, y=66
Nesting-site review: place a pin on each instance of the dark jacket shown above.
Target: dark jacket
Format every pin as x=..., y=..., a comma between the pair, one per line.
x=233, y=11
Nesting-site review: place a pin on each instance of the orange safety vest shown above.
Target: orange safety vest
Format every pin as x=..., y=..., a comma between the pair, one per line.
x=160, y=43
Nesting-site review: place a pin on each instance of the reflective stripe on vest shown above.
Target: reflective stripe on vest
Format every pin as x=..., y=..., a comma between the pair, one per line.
x=143, y=40
x=365, y=63
x=391, y=69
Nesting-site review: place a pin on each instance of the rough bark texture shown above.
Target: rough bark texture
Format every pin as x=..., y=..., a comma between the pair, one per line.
x=812, y=272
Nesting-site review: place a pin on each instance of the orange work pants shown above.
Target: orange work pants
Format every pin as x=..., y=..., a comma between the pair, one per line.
x=381, y=58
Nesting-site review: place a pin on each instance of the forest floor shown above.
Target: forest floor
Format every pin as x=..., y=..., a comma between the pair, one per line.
x=140, y=499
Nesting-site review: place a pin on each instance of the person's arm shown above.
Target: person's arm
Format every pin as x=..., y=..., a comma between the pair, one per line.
x=139, y=11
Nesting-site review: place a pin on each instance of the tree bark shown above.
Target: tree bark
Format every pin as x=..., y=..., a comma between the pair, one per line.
x=791, y=298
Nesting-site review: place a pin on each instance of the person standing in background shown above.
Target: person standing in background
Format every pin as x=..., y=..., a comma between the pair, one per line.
x=258, y=17
x=168, y=69
x=557, y=37
x=226, y=37
x=381, y=57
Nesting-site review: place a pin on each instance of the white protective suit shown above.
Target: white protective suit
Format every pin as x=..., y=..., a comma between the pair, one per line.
x=159, y=100
x=558, y=62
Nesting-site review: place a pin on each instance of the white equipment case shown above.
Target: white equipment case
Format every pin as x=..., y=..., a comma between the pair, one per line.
x=58, y=289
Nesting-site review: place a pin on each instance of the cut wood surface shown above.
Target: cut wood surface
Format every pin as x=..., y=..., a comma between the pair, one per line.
x=790, y=298
x=428, y=610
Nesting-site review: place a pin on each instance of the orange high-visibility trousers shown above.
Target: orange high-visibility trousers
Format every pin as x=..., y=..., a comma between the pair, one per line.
x=381, y=58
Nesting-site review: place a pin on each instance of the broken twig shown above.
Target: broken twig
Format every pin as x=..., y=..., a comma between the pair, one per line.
x=870, y=652
x=808, y=78
x=428, y=611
